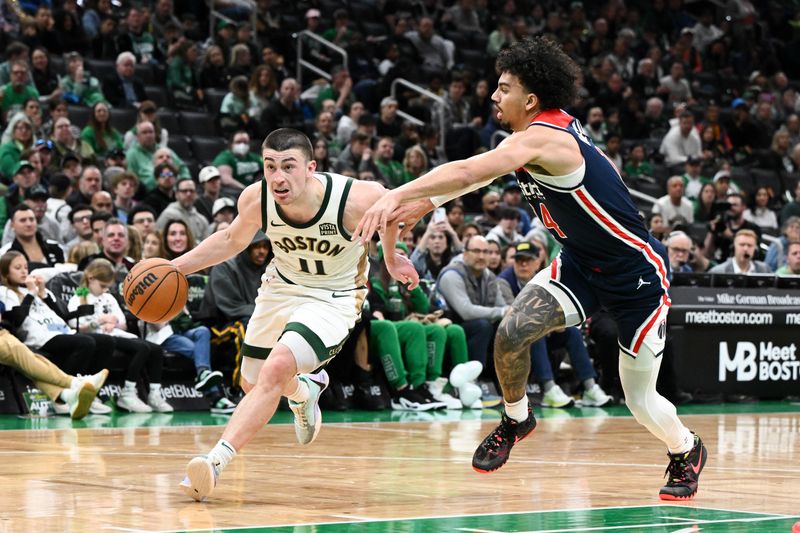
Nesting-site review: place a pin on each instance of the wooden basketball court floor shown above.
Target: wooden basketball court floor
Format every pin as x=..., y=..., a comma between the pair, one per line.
x=582, y=470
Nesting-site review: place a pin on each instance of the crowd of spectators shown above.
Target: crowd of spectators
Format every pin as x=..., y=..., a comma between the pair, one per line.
x=129, y=131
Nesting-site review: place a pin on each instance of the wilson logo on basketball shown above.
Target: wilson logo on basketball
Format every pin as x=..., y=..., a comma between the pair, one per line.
x=148, y=280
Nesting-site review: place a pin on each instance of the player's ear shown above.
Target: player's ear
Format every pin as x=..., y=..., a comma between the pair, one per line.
x=532, y=102
x=312, y=166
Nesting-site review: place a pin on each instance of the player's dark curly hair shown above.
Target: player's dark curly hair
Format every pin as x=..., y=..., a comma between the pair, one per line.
x=284, y=139
x=543, y=68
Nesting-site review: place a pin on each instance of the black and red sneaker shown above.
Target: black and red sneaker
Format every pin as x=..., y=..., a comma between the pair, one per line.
x=493, y=452
x=683, y=471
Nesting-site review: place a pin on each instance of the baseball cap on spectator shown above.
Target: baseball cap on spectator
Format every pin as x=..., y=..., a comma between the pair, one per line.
x=44, y=144
x=23, y=164
x=37, y=191
x=684, y=31
x=388, y=100
x=722, y=175
x=693, y=160
x=208, y=173
x=313, y=13
x=738, y=102
x=222, y=23
x=220, y=204
x=576, y=5
x=526, y=249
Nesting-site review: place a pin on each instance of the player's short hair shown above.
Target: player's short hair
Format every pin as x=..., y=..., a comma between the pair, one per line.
x=284, y=139
x=543, y=68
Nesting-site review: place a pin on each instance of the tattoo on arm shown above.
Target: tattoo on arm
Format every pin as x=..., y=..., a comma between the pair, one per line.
x=534, y=314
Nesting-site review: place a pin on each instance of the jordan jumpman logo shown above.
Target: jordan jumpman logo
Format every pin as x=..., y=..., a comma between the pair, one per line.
x=642, y=282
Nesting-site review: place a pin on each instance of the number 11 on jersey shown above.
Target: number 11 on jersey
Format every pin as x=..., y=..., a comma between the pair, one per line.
x=548, y=222
x=320, y=267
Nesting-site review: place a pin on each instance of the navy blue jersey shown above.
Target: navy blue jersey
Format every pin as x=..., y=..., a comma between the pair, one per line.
x=590, y=211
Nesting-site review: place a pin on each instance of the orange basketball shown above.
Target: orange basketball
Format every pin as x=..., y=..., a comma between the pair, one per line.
x=155, y=291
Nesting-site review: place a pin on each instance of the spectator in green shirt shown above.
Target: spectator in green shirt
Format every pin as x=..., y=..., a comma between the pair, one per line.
x=20, y=138
x=637, y=165
x=792, y=266
x=181, y=81
x=339, y=90
x=236, y=106
x=19, y=89
x=145, y=155
x=238, y=165
x=78, y=86
x=99, y=133
x=392, y=171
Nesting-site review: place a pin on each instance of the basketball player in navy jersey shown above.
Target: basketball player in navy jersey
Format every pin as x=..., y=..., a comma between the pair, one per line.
x=608, y=258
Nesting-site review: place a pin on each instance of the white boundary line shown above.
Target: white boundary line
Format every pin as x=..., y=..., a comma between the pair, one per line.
x=453, y=459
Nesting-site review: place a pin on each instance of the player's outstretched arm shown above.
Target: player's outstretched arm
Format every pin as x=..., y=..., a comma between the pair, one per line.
x=225, y=244
x=449, y=181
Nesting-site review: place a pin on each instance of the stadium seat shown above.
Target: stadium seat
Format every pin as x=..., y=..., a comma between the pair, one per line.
x=145, y=73
x=180, y=144
x=79, y=115
x=214, y=99
x=205, y=149
x=196, y=123
x=122, y=118
x=169, y=120
x=157, y=94
x=100, y=68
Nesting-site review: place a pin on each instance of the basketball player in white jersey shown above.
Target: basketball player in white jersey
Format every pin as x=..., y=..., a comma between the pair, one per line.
x=310, y=297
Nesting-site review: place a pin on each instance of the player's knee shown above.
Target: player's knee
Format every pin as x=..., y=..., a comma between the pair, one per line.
x=278, y=369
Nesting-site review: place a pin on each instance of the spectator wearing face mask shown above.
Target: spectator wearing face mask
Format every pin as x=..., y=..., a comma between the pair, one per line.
x=239, y=166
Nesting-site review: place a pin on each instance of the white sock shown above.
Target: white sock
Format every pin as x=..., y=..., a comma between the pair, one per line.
x=518, y=410
x=130, y=386
x=547, y=385
x=688, y=443
x=155, y=388
x=76, y=382
x=301, y=393
x=222, y=454
x=588, y=383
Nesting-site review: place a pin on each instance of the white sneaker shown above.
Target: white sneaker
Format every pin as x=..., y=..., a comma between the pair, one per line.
x=60, y=408
x=556, y=397
x=81, y=400
x=201, y=478
x=97, y=380
x=158, y=403
x=99, y=408
x=470, y=396
x=307, y=415
x=595, y=397
x=129, y=401
x=436, y=388
x=465, y=373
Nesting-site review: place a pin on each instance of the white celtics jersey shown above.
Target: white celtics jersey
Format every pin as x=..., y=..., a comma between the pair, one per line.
x=319, y=253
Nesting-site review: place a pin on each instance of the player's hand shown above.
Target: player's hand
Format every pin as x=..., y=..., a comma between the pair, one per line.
x=402, y=269
x=412, y=213
x=377, y=217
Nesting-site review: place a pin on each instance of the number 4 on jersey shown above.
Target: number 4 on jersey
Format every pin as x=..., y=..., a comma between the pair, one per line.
x=549, y=223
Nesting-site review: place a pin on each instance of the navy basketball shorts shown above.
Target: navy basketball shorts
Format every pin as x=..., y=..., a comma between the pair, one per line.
x=637, y=299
